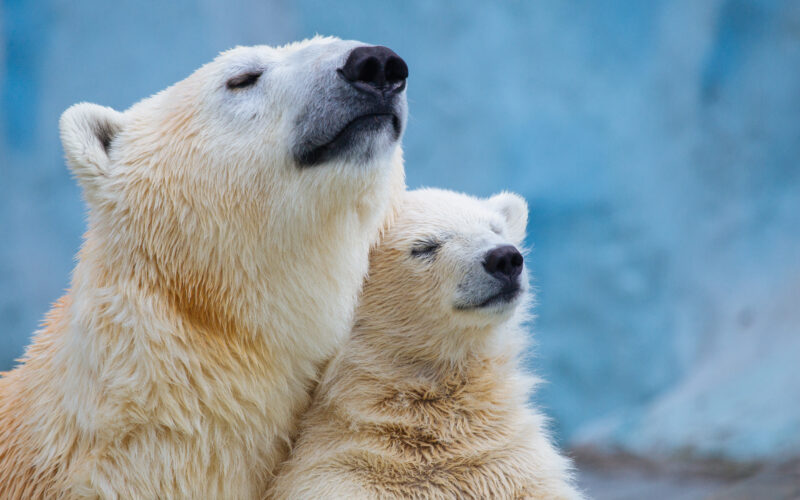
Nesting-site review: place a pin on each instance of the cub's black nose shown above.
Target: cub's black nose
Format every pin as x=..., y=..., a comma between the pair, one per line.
x=503, y=262
x=375, y=68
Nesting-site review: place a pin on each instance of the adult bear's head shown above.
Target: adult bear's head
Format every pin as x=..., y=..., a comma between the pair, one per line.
x=264, y=163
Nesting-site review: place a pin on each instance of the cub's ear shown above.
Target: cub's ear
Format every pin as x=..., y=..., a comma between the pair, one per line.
x=86, y=134
x=515, y=210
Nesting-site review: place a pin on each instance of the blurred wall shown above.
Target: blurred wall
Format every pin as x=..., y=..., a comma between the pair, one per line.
x=657, y=144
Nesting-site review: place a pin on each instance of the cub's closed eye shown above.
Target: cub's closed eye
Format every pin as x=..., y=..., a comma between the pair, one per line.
x=243, y=80
x=425, y=248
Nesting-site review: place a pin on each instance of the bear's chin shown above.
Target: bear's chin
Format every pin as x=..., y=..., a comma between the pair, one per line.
x=506, y=298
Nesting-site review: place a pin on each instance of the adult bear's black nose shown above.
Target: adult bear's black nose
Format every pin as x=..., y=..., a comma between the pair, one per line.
x=504, y=262
x=375, y=68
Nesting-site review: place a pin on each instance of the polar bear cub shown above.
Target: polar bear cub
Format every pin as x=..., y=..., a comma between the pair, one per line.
x=427, y=399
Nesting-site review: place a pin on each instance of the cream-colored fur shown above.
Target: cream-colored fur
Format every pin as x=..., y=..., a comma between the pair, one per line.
x=214, y=278
x=425, y=401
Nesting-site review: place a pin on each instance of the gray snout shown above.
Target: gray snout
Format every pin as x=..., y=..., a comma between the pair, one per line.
x=497, y=281
x=357, y=111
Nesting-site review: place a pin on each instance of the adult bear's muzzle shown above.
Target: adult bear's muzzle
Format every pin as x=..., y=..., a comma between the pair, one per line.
x=361, y=113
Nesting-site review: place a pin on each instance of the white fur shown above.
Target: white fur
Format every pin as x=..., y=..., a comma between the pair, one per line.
x=215, y=277
x=425, y=400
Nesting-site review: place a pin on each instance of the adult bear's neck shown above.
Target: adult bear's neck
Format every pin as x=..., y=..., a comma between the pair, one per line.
x=168, y=287
x=291, y=288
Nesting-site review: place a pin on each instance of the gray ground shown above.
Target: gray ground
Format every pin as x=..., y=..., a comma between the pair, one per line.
x=627, y=478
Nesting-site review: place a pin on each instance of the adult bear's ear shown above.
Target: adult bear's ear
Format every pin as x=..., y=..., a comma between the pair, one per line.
x=515, y=210
x=87, y=131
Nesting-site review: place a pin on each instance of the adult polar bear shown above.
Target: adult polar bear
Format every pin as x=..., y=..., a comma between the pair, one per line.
x=230, y=218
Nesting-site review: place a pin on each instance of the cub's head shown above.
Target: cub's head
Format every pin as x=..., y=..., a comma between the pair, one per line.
x=448, y=271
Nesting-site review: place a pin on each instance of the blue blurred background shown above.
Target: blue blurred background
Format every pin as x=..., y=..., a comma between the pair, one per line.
x=657, y=142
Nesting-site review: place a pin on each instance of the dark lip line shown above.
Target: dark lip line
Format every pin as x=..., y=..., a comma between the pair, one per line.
x=505, y=295
x=353, y=121
x=319, y=154
x=344, y=129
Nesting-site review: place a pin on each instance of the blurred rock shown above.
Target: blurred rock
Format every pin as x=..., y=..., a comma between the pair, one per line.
x=775, y=482
x=621, y=476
